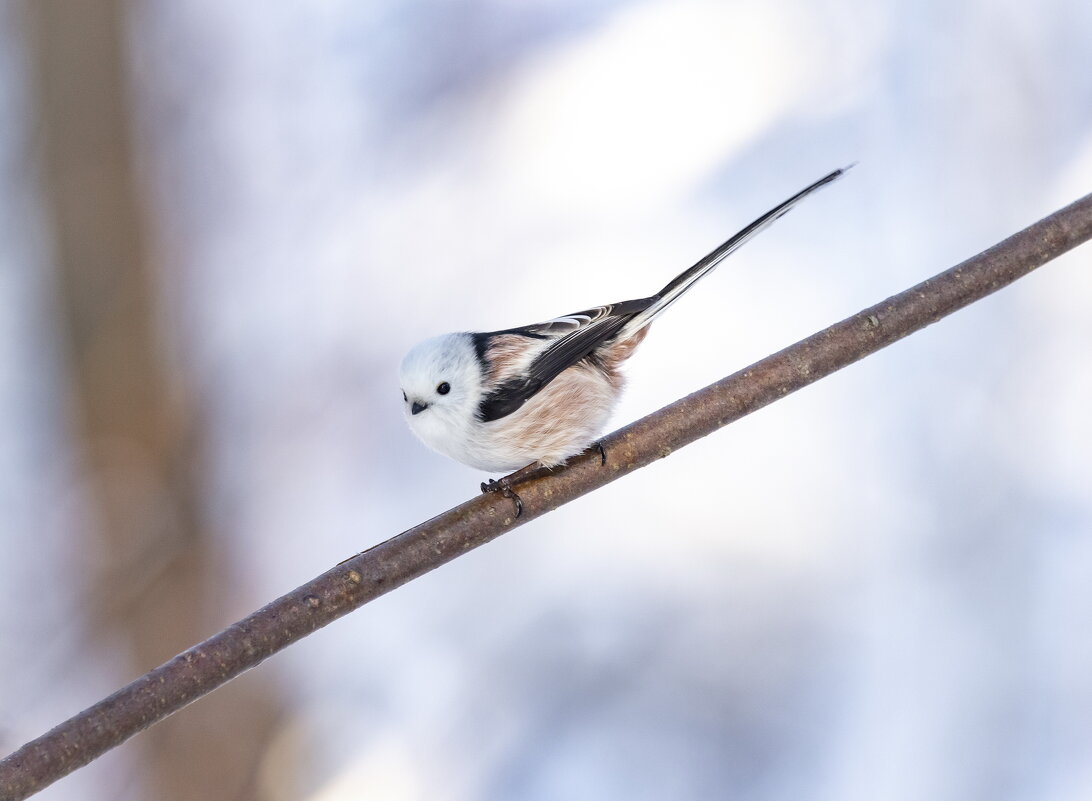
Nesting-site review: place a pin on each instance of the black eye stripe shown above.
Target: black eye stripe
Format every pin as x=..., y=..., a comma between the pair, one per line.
x=443, y=388
x=404, y=398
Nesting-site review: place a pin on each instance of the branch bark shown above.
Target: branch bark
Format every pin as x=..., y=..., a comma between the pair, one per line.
x=366, y=576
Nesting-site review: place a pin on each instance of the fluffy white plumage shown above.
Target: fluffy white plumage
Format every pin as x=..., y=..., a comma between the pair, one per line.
x=557, y=422
x=540, y=393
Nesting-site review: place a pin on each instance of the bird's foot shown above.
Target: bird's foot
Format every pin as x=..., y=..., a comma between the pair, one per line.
x=602, y=453
x=506, y=491
x=504, y=485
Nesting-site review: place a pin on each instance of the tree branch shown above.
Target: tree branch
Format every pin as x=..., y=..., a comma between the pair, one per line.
x=204, y=667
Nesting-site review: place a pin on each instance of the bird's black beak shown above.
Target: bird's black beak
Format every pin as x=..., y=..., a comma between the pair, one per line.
x=417, y=408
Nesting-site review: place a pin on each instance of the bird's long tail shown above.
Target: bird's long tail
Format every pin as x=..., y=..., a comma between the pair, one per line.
x=681, y=283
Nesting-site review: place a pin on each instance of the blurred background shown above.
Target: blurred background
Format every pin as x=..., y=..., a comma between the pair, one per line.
x=222, y=224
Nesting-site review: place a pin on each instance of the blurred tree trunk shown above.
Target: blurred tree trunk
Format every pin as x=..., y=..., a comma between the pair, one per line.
x=158, y=578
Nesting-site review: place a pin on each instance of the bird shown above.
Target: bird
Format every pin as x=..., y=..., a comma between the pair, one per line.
x=534, y=396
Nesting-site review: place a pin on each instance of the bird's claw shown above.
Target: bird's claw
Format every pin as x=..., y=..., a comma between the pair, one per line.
x=602, y=453
x=506, y=491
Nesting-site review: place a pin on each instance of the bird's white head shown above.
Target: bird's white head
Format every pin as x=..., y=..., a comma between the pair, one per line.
x=441, y=388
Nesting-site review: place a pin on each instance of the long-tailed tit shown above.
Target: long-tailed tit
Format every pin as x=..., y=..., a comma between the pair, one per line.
x=540, y=393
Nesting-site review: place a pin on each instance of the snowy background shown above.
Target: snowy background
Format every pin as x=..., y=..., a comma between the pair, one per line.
x=879, y=588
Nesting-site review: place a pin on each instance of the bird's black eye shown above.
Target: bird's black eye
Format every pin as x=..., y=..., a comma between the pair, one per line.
x=404, y=398
x=443, y=388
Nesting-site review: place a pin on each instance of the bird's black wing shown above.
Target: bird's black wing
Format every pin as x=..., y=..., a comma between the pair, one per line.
x=573, y=337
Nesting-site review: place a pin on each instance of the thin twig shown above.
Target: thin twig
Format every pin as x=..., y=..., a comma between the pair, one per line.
x=379, y=570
